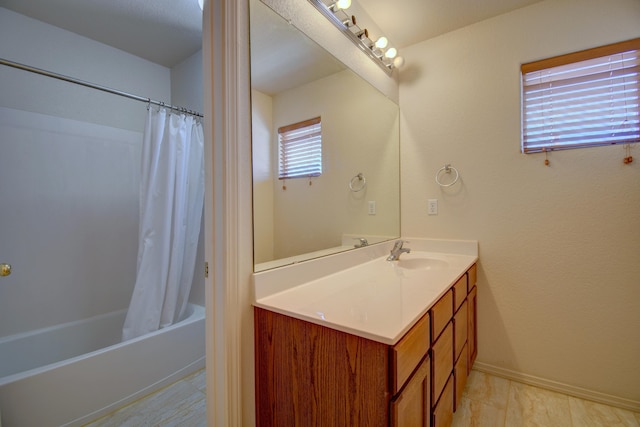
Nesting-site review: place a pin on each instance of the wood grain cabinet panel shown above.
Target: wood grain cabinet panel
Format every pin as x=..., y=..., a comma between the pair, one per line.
x=442, y=356
x=460, y=292
x=472, y=326
x=472, y=275
x=441, y=314
x=411, y=407
x=460, y=327
x=460, y=374
x=309, y=375
x=408, y=352
x=443, y=411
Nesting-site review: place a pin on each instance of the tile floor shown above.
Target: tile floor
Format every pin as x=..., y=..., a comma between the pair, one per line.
x=488, y=401
x=181, y=404
x=496, y=402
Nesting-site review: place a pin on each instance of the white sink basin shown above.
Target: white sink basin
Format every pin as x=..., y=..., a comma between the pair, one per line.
x=422, y=263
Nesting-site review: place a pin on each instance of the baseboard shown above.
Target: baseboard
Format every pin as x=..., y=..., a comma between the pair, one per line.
x=570, y=390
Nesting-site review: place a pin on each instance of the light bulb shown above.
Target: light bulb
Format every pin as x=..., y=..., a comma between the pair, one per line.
x=398, y=61
x=382, y=42
x=343, y=4
x=391, y=53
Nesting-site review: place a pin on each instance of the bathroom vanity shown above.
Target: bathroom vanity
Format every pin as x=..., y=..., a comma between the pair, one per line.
x=378, y=344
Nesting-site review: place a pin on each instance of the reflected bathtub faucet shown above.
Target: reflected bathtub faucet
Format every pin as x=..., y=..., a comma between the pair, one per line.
x=398, y=250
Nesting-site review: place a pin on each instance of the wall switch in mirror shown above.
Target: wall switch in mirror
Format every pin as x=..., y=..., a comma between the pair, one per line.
x=432, y=207
x=372, y=207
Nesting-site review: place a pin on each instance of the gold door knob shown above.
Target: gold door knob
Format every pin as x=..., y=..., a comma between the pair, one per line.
x=5, y=270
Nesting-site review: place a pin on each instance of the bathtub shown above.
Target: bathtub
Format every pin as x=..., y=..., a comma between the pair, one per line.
x=71, y=374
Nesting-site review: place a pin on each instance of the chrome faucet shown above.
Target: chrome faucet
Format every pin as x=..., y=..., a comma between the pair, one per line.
x=362, y=244
x=398, y=250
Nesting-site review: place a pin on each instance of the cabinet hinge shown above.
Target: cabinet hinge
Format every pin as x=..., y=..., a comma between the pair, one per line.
x=206, y=270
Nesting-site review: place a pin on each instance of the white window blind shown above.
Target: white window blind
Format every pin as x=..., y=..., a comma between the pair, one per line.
x=300, y=149
x=585, y=99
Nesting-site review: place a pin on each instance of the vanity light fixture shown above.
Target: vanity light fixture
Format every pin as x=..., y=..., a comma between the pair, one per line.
x=340, y=4
x=382, y=42
x=391, y=53
x=349, y=22
x=334, y=12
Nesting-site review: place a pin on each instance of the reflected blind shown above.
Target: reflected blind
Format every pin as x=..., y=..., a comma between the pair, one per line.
x=584, y=99
x=300, y=149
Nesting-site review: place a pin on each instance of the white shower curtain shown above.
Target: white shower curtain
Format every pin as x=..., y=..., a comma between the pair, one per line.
x=171, y=202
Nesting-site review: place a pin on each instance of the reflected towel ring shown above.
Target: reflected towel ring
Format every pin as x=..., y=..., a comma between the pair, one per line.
x=447, y=169
x=353, y=183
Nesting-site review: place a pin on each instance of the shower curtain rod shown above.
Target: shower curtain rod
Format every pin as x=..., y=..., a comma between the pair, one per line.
x=94, y=86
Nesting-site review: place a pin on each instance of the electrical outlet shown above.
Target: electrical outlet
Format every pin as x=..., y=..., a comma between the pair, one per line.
x=372, y=207
x=432, y=206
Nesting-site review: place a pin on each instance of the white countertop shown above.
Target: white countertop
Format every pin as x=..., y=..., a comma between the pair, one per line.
x=376, y=299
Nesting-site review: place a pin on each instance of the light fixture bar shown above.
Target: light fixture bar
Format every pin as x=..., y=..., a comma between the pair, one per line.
x=338, y=23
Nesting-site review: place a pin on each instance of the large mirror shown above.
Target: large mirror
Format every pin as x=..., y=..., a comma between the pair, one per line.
x=357, y=194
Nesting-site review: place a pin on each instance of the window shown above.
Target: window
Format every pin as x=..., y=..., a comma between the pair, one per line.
x=300, y=149
x=584, y=99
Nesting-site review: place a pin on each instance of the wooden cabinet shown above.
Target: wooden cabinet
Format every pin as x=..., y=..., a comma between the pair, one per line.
x=441, y=313
x=460, y=374
x=310, y=375
x=408, y=353
x=442, y=356
x=443, y=409
x=411, y=407
x=472, y=325
x=453, y=351
x=460, y=371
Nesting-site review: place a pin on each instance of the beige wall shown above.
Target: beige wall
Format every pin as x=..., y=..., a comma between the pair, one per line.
x=559, y=272
x=262, y=146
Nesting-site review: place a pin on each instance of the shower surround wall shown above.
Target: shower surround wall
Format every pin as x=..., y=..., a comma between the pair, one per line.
x=85, y=268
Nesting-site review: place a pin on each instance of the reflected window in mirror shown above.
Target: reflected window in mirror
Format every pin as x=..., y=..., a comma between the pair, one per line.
x=300, y=149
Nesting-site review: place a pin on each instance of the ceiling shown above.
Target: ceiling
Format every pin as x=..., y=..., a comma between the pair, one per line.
x=407, y=22
x=168, y=31
x=162, y=31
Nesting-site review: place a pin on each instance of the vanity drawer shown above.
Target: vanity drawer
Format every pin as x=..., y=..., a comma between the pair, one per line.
x=460, y=292
x=473, y=276
x=441, y=313
x=460, y=327
x=408, y=352
x=442, y=360
x=443, y=411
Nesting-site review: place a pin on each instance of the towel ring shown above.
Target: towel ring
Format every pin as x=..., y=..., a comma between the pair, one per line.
x=353, y=183
x=447, y=169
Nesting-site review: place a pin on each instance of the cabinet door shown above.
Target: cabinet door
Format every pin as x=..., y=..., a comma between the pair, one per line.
x=472, y=332
x=443, y=411
x=442, y=354
x=460, y=373
x=411, y=407
x=460, y=329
